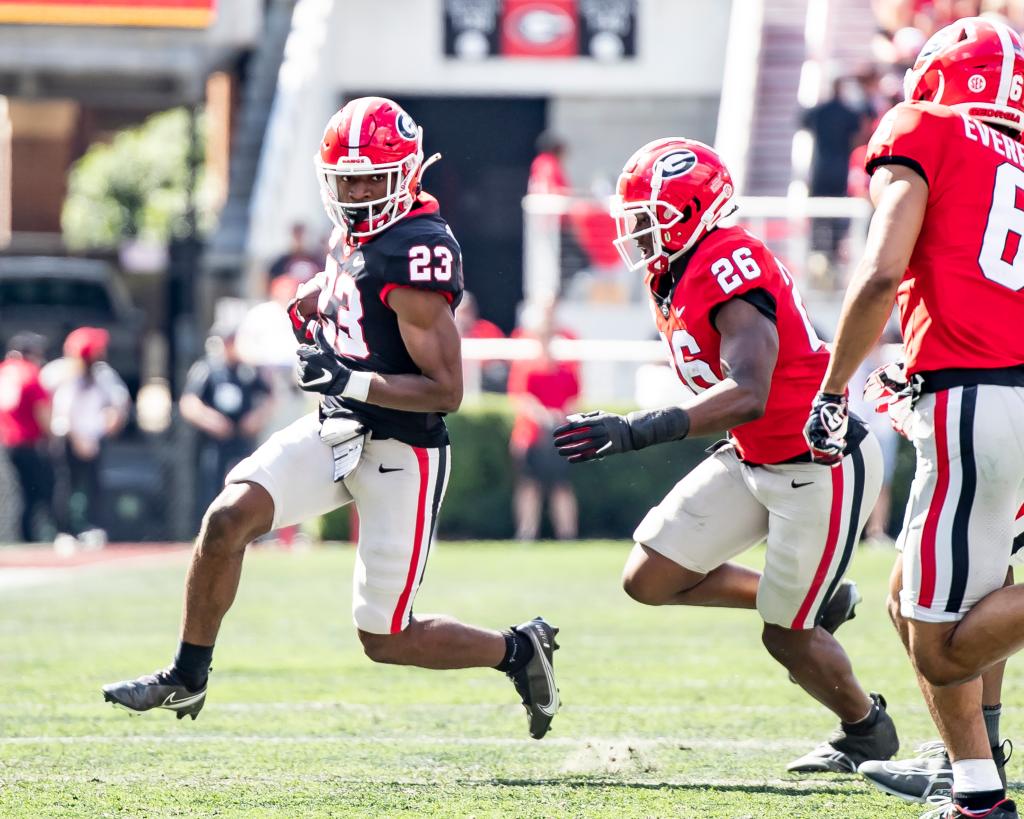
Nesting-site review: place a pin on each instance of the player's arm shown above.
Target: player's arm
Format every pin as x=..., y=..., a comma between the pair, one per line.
x=900, y=196
x=428, y=329
x=749, y=350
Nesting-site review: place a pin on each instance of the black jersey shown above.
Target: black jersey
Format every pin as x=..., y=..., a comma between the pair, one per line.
x=418, y=251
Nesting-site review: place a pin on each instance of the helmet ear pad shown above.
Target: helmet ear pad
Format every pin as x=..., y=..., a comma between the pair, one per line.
x=679, y=225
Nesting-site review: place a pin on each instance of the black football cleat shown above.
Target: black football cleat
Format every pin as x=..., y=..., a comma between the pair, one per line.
x=535, y=681
x=928, y=775
x=841, y=607
x=844, y=753
x=161, y=689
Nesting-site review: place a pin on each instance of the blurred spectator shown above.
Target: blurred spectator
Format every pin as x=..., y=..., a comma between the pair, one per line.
x=90, y=405
x=837, y=125
x=297, y=263
x=265, y=340
x=493, y=374
x=547, y=174
x=543, y=392
x=228, y=402
x=24, y=429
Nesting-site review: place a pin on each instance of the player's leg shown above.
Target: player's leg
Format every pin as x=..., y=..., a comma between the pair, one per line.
x=929, y=773
x=655, y=580
x=684, y=543
x=398, y=510
x=288, y=479
x=564, y=510
x=957, y=541
x=816, y=515
x=528, y=504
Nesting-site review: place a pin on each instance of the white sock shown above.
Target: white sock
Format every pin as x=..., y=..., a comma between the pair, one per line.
x=975, y=776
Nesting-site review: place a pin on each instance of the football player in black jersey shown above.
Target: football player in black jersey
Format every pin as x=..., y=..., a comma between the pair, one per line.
x=379, y=342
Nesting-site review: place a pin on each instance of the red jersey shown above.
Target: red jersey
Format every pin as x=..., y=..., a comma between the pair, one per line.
x=732, y=263
x=961, y=301
x=20, y=394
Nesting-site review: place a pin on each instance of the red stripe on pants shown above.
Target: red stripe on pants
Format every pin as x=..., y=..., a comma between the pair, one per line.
x=931, y=522
x=398, y=618
x=834, y=520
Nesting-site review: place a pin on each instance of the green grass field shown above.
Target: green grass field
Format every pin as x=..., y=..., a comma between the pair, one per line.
x=667, y=712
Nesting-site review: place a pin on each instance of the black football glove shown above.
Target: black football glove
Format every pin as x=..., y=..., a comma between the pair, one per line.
x=825, y=430
x=589, y=436
x=319, y=368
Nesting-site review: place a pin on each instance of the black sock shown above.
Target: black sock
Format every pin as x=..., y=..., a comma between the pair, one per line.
x=979, y=800
x=991, y=714
x=864, y=726
x=518, y=652
x=192, y=664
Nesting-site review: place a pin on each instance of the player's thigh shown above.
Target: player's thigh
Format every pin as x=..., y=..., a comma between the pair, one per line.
x=398, y=490
x=297, y=470
x=816, y=516
x=959, y=528
x=707, y=518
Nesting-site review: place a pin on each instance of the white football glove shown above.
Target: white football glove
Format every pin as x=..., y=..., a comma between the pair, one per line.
x=892, y=392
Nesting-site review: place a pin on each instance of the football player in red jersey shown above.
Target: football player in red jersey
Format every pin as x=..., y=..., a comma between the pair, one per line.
x=739, y=337
x=379, y=343
x=947, y=181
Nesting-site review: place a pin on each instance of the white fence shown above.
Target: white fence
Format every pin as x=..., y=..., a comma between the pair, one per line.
x=784, y=222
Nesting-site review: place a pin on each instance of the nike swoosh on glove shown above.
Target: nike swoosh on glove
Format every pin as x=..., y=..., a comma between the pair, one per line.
x=825, y=430
x=319, y=369
x=589, y=436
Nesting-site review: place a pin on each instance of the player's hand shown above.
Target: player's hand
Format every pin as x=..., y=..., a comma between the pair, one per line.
x=589, y=436
x=892, y=392
x=298, y=321
x=825, y=430
x=319, y=368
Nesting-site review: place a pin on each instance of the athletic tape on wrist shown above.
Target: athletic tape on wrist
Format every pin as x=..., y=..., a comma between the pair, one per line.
x=658, y=426
x=358, y=386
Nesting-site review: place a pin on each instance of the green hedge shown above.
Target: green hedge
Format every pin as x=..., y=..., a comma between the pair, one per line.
x=613, y=494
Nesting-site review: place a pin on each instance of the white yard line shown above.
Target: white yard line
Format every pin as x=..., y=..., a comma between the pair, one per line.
x=437, y=708
x=647, y=743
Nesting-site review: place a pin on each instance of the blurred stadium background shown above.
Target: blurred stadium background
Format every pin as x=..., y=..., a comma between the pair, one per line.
x=156, y=181
x=157, y=190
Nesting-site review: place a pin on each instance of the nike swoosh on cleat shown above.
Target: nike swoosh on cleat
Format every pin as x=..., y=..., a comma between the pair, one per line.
x=552, y=706
x=385, y=469
x=170, y=702
x=796, y=485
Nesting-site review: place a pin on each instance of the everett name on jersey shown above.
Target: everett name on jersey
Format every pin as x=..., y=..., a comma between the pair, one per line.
x=961, y=303
x=418, y=251
x=731, y=263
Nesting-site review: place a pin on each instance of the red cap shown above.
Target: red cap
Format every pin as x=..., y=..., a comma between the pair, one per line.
x=87, y=343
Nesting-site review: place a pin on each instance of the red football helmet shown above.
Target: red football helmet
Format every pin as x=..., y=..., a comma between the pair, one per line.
x=370, y=136
x=669, y=194
x=975, y=66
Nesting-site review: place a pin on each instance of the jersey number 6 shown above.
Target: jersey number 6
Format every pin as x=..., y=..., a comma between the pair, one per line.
x=1000, y=249
x=421, y=269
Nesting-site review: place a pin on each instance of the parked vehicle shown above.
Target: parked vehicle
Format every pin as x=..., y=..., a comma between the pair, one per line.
x=52, y=295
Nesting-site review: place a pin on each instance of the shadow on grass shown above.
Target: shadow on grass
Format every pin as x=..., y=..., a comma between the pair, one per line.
x=775, y=789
